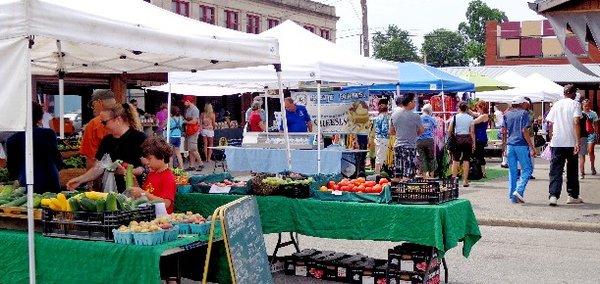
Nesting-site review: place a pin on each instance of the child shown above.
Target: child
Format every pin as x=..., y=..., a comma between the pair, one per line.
x=160, y=183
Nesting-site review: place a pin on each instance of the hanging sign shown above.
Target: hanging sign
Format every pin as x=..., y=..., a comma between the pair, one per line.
x=341, y=111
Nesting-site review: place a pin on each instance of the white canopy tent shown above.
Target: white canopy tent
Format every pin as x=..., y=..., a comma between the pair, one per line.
x=110, y=36
x=536, y=87
x=306, y=57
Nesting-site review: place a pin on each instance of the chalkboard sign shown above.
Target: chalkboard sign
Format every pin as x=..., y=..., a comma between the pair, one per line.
x=245, y=242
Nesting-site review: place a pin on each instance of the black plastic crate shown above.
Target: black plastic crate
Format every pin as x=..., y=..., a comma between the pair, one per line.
x=300, y=259
x=295, y=190
x=339, y=269
x=365, y=271
x=314, y=264
x=425, y=191
x=413, y=263
x=327, y=264
x=91, y=225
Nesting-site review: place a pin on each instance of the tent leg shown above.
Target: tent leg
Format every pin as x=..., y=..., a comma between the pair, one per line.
x=61, y=102
x=319, y=127
x=169, y=114
x=397, y=90
x=29, y=169
x=266, y=110
x=284, y=116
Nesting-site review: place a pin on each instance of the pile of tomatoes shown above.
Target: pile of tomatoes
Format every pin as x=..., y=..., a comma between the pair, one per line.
x=356, y=185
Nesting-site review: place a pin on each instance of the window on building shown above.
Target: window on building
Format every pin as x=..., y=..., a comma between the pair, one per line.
x=272, y=23
x=253, y=25
x=180, y=7
x=207, y=14
x=326, y=34
x=231, y=19
x=311, y=29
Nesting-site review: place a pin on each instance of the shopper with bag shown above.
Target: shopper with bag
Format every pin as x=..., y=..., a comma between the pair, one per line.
x=461, y=142
x=123, y=142
x=192, y=131
x=519, y=148
x=564, y=116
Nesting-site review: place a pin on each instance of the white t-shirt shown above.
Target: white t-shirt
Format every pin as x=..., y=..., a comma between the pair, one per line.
x=499, y=118
x=562, y=116
x=46, y=120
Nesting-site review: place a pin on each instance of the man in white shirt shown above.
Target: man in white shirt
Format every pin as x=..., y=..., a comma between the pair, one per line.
x=564, y=116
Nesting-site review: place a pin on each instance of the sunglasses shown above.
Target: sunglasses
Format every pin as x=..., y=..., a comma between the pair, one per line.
x=104, y=122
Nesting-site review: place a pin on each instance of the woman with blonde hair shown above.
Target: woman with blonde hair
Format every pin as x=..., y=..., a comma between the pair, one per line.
x=209, y=123
x=123, y=142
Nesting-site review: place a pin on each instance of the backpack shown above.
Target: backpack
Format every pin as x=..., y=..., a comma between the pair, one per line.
x=475, y=170
x=583, y=125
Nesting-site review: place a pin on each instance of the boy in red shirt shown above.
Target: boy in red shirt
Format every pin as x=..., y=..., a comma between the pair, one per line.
x=160, y=183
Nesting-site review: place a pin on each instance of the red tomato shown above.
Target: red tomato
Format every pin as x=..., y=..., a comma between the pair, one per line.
x=383, y=181
x=360, y=180
x=343, y=183
x=331, y=184
x=377, y=188
x=370, y=183
x=360, y=188
x=345, y=188
x=352, y=188
x=369, y=189
x=336, y=187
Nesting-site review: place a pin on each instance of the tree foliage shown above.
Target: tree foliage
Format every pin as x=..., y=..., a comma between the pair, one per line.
x=473, y=30
x=443, y=47
x=394, y=45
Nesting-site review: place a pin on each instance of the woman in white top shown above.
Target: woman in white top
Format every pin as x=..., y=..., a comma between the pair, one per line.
x=209, y=123
x=461, y=126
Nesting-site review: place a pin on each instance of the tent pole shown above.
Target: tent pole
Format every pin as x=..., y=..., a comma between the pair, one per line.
x=266, y=110
x=169, y=115
x=61, y=102
x=318, y=126
x=29, y=167
x=397, y=90
x=284, y=116
x=61, y=90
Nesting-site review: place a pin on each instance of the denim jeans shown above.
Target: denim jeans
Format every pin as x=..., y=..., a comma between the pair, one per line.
x=560, y=155
x=518, y=155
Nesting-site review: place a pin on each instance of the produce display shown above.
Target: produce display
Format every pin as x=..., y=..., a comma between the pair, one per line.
x=359, y=185
x=74, y=162
x=4, y=176
x=157, y=231
x=278, y=181
x=181, y=176
x=92, y=201
x=190, y=223
x=13, y=197
x=69, y=145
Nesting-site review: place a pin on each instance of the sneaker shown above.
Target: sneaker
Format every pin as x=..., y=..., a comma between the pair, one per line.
x=572, y=200
x=518, y=197
x=504, y=166
x=553, y=201
x=531, y=177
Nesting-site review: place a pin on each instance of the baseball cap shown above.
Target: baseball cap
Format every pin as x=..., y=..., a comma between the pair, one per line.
x=102, y=95
x=189, y=98
x=518, y=100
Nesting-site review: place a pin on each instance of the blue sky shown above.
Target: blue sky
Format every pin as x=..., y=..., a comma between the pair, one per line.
x=417, y=16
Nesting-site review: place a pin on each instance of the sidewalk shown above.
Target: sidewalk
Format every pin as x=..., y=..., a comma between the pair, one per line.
x=492, y=207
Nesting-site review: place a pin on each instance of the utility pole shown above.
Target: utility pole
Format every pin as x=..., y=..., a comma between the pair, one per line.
x=365, y=29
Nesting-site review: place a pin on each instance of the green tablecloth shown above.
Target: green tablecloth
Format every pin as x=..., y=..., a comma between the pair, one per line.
x=76, y=261
x=441, y=226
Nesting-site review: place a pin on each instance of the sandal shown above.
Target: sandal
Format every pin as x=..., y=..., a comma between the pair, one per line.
x=594, y=172
x=466, y=185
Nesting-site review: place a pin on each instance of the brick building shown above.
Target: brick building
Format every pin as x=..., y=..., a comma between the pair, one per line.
x=256, y=16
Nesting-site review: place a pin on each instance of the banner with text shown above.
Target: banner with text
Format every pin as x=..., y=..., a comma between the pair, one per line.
x=341, y=111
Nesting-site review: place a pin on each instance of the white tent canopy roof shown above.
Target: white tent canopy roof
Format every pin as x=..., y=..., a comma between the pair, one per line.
x=203, y=91
x=304, y=57
x=536, y=87
x=111, y=36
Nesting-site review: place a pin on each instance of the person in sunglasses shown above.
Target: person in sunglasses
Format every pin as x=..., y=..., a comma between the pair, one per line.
x=94, y=130
x=123, y=142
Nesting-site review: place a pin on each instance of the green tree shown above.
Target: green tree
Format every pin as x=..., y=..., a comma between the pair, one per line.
x=473, y=30
x=444, y=48
x=394, y=45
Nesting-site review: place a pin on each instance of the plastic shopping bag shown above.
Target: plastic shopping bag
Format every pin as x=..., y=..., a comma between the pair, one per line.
x=109, y=184
x=547, y=154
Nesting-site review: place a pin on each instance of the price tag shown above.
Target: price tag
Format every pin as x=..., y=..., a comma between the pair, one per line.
x=337, y=192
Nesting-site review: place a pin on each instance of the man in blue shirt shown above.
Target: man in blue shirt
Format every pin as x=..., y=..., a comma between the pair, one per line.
x=298, y=119
x=519, y=148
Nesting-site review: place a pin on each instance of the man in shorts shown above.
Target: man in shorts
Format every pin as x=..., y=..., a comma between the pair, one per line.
x=406, y=126
x=192, y=121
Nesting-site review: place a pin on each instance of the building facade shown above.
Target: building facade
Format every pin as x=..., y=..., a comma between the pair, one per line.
x=256, y=16
x=532, y=42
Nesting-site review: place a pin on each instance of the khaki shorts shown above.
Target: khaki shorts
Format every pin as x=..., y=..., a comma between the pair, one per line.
x=191, y=143
x=381, y=150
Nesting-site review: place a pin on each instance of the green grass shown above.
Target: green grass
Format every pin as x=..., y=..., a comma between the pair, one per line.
x=494, y=173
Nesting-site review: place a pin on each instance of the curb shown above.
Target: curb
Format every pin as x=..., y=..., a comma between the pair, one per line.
x=519, y=223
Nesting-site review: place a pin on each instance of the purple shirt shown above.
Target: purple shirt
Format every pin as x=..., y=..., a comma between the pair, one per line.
x=161, y=116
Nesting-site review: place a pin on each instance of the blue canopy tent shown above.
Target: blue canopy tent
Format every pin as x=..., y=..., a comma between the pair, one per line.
x=420, y=78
